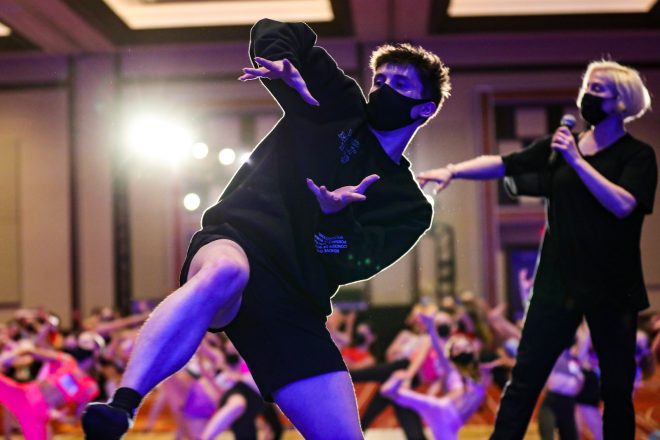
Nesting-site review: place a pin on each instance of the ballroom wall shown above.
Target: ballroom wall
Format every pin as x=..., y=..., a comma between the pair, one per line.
x=67, y=116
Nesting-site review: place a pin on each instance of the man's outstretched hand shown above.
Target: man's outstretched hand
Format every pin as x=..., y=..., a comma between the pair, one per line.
x=334, y=201
x=280, y=69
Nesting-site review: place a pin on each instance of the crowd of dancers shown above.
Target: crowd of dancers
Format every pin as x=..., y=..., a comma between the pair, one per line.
x=436, y=373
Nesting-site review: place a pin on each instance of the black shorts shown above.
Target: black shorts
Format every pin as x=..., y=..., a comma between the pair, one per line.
x=279, y=333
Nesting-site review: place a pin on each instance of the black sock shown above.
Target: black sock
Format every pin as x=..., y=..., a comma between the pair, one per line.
x=127, y=399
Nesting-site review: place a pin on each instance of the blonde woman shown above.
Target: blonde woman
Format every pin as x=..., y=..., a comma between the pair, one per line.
x=600, y=184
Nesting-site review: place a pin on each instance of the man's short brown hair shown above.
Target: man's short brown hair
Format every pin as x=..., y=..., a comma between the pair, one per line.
x=433, y=74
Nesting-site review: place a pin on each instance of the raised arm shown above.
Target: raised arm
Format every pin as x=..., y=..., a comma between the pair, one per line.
x=302, y=77
x=106, y=328
x=437, y=343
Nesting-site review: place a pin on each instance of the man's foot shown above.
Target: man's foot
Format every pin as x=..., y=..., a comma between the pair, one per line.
x=101, y=421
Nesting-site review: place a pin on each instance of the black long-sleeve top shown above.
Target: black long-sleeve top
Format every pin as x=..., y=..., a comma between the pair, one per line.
x=269, y=203
x=588, y=254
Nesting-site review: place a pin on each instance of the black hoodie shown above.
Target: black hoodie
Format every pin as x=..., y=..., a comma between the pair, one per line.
x=268, y=201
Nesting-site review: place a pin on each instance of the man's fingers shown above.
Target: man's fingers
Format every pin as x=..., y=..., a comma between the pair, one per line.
x=313, y=188
x=362, y=187
x=355, y=197
x=259, y=72
x=301, y=87
x=286, y=64
x=307, y=97
x=270, y=65
x=247, y=77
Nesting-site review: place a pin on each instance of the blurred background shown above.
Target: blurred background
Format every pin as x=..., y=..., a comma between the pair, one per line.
x=122, y=120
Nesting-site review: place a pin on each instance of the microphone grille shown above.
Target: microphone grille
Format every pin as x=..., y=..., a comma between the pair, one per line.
x=568, y=121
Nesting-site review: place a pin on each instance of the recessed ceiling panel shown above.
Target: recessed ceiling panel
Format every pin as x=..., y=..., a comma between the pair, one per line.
x=5, y=31
x=144, y=14
x=484, y=8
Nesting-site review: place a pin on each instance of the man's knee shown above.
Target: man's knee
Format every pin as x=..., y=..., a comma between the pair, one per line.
x=223, y=275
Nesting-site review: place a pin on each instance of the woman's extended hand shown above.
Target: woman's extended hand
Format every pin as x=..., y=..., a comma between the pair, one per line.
x=441, y=176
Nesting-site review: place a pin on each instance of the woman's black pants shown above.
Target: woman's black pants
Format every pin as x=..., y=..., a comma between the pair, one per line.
x=547, y=332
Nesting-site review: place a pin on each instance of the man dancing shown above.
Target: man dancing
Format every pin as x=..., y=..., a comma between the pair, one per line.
x=288, y=230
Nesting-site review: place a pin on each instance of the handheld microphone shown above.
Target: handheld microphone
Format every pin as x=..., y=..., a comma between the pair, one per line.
x=569, y=122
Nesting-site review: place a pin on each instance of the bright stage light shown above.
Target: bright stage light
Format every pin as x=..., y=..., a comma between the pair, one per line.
x=200, y=150
x=227, y=156
x=244, y=157
x=159, y=139
x=430, y=199
x=191, y=201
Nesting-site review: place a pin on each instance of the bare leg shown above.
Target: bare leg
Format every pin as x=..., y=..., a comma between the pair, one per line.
x=211, y=297
x=223, y=419
x=589, y=420
x=322, y=407
x=439, y=413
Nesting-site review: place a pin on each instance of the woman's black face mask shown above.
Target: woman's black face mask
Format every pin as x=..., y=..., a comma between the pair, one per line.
x=388, y=109
x=591, y=109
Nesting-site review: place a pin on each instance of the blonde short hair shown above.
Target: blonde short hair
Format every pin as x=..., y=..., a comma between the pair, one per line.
x=633, y=98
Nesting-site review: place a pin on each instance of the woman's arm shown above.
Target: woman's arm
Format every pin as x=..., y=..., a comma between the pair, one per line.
x=479, y=168
x=105, y=328
x=394, y=348
x=437, y=343
x=614, y=198
x=418, y=358
x=444, y=363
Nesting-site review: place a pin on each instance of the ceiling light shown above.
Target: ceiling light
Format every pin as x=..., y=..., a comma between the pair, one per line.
x=200, y=150
x=191, y=201
x=227, y=156
x=158, y=138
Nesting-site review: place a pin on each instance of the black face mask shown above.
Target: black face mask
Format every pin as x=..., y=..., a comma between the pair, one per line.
x=388, y=109
x=80, y=354
x=359, y=339
x=591, y=109
x=232, y=359
x=463, y=359
x=444, y=330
